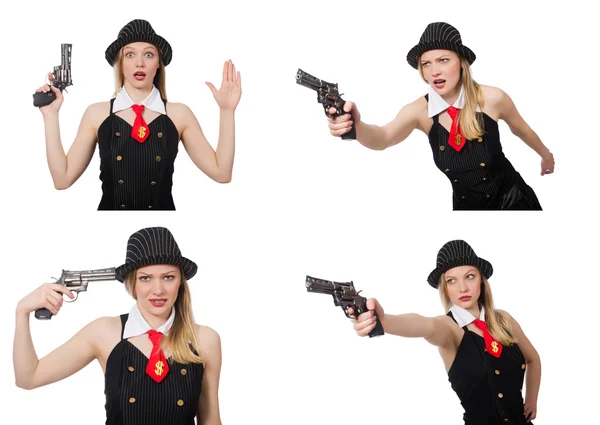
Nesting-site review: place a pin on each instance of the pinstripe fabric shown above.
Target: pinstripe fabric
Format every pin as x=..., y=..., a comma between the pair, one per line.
x=439, y=35
x=481, y=176
x=454, y=254
x=154, y=245
x=133, y=398
x=139, y=30
x=137, y=176
x=489, y=388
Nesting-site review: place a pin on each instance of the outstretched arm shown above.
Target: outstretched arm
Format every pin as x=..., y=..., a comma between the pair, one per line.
x=218, y=165
x=208, y=405
x=508, y=112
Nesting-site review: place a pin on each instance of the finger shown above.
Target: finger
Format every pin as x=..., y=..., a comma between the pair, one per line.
x=350, y=311
x=229, y=73
x=50, y=76
x=225, y=71
x=340, y=126
x=212, y=88
x=340, y=132
x=233, y=72
x=367, y=330
x=372, y=304
x=239, y=80
x=348, y=106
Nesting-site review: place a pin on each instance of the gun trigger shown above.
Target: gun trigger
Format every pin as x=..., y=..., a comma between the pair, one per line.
x=359, y=292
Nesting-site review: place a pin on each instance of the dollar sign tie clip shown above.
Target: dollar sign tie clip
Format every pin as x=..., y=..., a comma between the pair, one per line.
x=159, y=368
x=142, y=132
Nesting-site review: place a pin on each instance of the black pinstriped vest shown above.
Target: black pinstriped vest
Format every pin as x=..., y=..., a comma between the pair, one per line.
x=137, y=176
x=133, y=398
x=489, y=388
x=482, y=177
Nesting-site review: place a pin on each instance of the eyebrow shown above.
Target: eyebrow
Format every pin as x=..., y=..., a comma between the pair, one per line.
x=144, y=49
x=150, y=274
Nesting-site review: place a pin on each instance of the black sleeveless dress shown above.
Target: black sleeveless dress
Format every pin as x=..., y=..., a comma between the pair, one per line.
x=133, y=398
x=137, y=176
x=482, y=177
x=489, y=388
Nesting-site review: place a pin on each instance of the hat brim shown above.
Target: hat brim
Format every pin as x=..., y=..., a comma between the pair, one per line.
x=419, y=49
x=188, y=267
x=163, y=46
x=483, y=265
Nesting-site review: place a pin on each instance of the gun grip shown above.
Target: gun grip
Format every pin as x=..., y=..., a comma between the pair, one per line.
x=351, y=135
x=42, y=99
x=378, y=329
x=43, y=314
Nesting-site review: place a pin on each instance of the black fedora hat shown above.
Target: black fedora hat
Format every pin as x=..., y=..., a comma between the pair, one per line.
x=439, y=35
x=454, y=254
x=139, y=30
x=150, y=246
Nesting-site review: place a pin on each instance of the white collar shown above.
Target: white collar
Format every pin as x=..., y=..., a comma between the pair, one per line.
x=436, y=104
x=137, y=325
x=153, y=101
x=464, y=317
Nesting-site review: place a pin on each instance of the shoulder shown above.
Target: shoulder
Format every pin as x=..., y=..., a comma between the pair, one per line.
x=178, y=108
x=417, y=106
x=493, y=95
x=105, y=324
x=208, y=336
x=506, y=316
x=97, y=112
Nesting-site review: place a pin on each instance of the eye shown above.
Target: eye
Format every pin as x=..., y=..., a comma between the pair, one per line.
x=425, y=64
x=129, y=54
x=144, y=278
x=451, y=280
x=470, y=276
x=444, y=60
x=149, y=54
x=169, y=277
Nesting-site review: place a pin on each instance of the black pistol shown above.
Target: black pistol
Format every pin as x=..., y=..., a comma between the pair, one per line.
x=344, y=295
x=61, y=78
x=328, y=95
x=77, y=281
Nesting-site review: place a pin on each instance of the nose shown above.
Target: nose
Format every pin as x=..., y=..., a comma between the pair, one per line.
x=140, y=61
x=435, y=69
x=157, y=287
x=462, y=286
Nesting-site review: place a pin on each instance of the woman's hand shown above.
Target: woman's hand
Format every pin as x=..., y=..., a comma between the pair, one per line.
x=53, y=107
x=49, y=296
x=228, y=96
x=367, y=321
x=529, y=410
x=548, y=164
x=343, y=123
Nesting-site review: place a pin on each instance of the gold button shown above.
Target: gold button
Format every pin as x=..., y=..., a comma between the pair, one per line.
x=123, y=206
x=180, y=402
x=159, y=135
x=500, y=395
x=462, y=197
x=523, y=366
x=119, y=157
x=121, y=182
x=479, y=139
x=446, y=170
x=183, y=371
x=442, y=148
x=117, y=134
x=482, y=164
x=130, y=368
x=455, y=180
x=158, y=158
x=152, y=182
x=149, y=206
x=132, y=400
x=497, y=372
x=487, y=195
x=485, y=178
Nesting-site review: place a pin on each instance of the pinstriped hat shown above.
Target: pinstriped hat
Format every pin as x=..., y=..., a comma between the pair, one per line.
x=454, y=254
x=150, y=246
x=139, y=30
x=439, y=35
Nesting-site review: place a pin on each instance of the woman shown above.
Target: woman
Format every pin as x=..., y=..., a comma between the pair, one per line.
x=484, y=350
x=460, y=118
x=147, y=381
x=138, y=131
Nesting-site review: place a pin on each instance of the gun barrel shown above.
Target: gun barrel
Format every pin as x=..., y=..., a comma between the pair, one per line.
x=97, y=275
x=65, y=57
x=307, y=80
x=322, y=286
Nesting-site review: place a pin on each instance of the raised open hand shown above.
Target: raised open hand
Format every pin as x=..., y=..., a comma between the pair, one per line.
x=228, y=96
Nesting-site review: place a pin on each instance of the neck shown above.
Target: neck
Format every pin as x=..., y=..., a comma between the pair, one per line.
x=137, y=94
x=474, y=310
x=153, y=320
x=451, y=97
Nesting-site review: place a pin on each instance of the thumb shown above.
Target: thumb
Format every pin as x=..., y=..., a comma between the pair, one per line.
x=373, y=304
x=348, y=106
x=212, y=88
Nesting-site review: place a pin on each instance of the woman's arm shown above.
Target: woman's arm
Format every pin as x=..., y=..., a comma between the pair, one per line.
x=507, y=111
x=373, y=136
x=533, y=371
x=218, y=165
x=64, y=361
x=436, y=330
x=208, y=405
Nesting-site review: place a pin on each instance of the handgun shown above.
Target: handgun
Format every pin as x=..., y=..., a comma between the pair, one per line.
x=344, y=295
x=77, y=281
x=61, y=78
x=328, y=95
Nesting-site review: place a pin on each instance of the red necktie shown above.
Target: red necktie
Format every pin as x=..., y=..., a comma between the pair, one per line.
x=157, y=364
x=493, y=347
x=140, y=129
x=457, y=138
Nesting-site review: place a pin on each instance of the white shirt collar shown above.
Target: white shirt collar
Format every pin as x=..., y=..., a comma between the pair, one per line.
x=153, y=101
x=436, y=104
x=137, y=325
x=464, y=317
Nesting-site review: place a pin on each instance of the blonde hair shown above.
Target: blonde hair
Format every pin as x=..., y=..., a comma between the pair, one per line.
x=182, y=340
x=497, y=325
x=160, y=80
x=470, y=123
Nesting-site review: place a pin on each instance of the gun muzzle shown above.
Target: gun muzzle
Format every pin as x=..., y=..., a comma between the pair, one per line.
x=307, y=80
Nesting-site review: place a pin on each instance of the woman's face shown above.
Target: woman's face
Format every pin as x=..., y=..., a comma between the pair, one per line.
x=156, y=288
x=441, y=69
x=463, y=286
x=140, y=63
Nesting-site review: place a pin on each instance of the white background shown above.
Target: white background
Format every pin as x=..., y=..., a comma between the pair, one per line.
x=302, y=202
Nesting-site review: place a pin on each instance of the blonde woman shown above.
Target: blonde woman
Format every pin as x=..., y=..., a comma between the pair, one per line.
x=138, y=131
x=460, y=118
x=486, y=353
x=159, y=366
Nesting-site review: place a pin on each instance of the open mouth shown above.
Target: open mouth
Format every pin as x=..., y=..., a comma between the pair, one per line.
x=439, y=83
x=139, y=76
x=158, y=302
